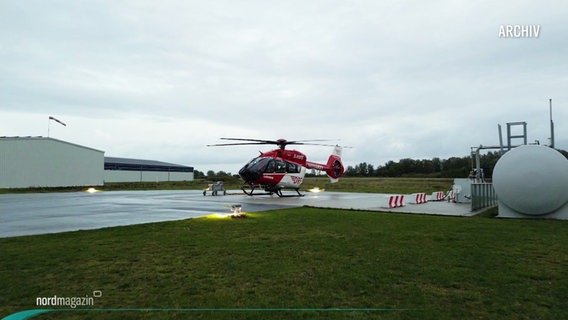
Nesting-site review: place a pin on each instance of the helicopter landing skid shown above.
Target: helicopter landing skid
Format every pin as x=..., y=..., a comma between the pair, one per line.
x=269, y=192
x=251, y=191
x=280, y=194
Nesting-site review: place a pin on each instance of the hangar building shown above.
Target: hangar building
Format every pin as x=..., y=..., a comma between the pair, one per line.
x=46, y=162
x=27, y=162
x=137, y=170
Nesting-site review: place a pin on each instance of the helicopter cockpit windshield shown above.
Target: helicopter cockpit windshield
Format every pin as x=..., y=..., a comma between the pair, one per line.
x=254, y=169
x=258, y=164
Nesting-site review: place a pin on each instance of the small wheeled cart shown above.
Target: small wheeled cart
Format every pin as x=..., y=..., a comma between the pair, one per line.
x=215, y=189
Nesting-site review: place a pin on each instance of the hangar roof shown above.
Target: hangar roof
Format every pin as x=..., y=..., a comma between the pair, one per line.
x=29, y=138
x=114, y=163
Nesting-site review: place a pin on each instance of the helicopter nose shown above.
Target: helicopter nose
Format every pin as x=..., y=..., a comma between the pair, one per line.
x=249, y=175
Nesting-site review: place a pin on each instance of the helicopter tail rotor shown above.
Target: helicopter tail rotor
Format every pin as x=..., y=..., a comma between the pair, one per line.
x=334, y=165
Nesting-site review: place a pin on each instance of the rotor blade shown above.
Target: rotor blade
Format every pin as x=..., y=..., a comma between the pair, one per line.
x=311, y=142
x=314, y=144
x=252, y=140
x=323, y=145
x=316, y=140
x=282, y=142
x=235, y=144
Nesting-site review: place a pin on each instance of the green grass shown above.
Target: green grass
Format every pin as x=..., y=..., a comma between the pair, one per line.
x=432, y=267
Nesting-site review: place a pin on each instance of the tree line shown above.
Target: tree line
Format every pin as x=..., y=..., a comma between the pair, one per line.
x=454, y=167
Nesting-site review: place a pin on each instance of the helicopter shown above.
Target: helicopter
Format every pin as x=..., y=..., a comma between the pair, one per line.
x=282, y=169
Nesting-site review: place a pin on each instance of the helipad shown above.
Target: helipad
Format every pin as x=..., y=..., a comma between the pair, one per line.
x=39, y=213
x=367, y=201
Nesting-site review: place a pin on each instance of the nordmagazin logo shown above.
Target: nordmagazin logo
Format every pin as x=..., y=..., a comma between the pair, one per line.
x=519, y=31
x=72, y=302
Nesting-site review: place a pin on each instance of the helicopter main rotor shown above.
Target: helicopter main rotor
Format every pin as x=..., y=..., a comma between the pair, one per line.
x=281, y=143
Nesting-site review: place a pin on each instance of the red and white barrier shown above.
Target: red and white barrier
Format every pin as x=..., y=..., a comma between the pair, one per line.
x=451, y=196
x=437, y=196
x=394, y=201
x=418, y=198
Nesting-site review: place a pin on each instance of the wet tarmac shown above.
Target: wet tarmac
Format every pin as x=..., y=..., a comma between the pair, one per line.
x=370, y=202
x=40, y=213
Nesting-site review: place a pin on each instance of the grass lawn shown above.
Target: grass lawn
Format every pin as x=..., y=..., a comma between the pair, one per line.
x=414, y=266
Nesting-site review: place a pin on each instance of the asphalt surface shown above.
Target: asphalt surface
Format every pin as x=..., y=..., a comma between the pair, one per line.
x=370, y=202
x=40, y=213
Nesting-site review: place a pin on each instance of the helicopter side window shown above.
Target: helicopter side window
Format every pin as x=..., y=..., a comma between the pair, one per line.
x=292, y=167
x=270, y=167
x=280, y=166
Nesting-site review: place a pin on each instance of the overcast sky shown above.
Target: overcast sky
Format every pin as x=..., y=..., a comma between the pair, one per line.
x=393, y=79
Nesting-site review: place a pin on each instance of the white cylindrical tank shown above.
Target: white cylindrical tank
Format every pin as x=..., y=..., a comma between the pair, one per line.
x=532, y=180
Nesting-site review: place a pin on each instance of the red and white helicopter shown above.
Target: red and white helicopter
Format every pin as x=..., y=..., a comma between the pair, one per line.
x=280, y=169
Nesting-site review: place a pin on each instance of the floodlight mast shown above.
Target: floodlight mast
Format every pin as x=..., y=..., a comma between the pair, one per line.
x=500, y=139
x=551, y=125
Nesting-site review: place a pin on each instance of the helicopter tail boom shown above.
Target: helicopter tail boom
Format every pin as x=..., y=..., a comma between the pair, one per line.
x=333, y=168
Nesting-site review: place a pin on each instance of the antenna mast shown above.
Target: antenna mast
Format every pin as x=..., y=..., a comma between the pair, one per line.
x=551, y=125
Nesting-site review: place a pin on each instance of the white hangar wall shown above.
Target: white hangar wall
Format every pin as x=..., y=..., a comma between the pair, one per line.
x=46, y=162
x=137, y=170
x=146, y=176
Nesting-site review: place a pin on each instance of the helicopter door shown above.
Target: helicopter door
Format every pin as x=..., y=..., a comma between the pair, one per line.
x=275, y=166
x=292, y=168
x=270, y=167
x=280, y=166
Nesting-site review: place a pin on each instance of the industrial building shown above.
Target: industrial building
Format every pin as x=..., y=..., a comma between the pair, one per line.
x=46, y=162
x=27, y=162
x=136, y=170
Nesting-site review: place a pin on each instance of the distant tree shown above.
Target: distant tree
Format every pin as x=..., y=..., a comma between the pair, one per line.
x=425, y=166
x=488, y=161
x=407, y=166
x=436, y=164
x=455, y=167
x=362, y=169
x=350, y=171
x=222, y=174
x=370, y=170
x=198, y=174
x=391, y=169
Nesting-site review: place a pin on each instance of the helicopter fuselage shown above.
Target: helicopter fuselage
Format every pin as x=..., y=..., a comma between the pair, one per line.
x=277, y=169
x=282, y=169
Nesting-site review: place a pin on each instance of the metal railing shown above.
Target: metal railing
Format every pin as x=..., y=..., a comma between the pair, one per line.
x=482, y=196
